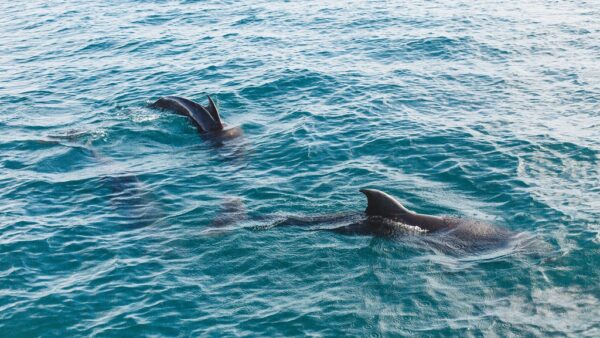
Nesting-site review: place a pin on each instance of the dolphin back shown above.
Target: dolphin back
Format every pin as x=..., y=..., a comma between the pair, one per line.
x=206, y=119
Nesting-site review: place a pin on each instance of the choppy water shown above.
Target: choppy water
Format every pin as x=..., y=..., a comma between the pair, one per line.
x=488, y=111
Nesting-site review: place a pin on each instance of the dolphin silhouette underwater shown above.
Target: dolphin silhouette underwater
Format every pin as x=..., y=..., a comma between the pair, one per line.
x=206, y=119
x=386, y=217
x=134, y=205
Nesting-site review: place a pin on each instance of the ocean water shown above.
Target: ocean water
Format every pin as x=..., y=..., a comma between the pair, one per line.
x=487, y=111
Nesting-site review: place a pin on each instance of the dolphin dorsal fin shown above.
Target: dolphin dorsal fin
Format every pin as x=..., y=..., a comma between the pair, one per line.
x=382, y=204
x=214, y=112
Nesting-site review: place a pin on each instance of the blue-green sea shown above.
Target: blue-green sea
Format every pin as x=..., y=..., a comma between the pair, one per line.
x=484, y=110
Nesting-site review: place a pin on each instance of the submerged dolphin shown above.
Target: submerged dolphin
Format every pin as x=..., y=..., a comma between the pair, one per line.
x=134, y=205
x=206, y=119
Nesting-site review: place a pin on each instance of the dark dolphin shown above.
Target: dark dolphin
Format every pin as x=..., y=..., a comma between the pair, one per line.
x=386, y=217
x=134, y=205
x=206, y=119
x=382, y=205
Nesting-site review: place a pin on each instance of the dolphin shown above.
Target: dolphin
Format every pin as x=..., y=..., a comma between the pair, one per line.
x=387, y=217
x=133, y=204
x=382, y=205
x=206, y=119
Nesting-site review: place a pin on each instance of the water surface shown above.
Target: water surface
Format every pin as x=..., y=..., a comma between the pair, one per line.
x=488, y=111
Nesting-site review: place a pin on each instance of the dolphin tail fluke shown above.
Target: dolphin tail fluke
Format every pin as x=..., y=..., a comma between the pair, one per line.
x=382, y=204
x=171, y=103
x=214, y=112
x=205, y=119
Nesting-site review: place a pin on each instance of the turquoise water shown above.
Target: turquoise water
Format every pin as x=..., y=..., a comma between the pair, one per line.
x=487, y=111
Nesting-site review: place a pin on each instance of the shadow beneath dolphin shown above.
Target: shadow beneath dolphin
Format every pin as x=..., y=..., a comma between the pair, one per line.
x=134, y=206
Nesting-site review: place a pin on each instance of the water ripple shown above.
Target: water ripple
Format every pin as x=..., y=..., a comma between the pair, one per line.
x=487, y=111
